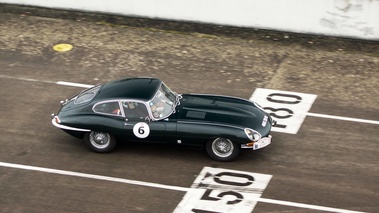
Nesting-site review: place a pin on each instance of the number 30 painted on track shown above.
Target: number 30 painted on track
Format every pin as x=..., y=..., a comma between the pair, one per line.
x=289, y=109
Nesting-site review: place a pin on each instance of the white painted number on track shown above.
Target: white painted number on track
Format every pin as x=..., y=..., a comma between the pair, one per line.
x=288, y=108
x=223, y=190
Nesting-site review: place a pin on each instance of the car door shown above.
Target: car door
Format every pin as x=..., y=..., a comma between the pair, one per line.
x=138, y=126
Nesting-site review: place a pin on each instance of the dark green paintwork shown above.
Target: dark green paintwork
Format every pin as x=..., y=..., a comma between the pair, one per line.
x=197, y=119
x=132, y=88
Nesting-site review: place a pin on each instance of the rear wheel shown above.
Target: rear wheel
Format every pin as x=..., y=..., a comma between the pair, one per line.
x=100, y=141
x=222, y=149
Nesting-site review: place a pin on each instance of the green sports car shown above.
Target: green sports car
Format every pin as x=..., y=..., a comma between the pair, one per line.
x=145, y=109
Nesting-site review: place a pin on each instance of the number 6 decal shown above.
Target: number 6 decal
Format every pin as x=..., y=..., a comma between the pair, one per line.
x=141, y=130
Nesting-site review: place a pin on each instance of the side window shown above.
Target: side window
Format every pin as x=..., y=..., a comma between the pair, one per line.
x=112, y=108
x=134, y=110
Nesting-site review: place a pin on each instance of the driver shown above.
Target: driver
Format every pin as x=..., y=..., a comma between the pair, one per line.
x=129, y=105
x=157, y=108
x=132, y=109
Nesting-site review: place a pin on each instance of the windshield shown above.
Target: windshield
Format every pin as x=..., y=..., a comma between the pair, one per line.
x=163, y=103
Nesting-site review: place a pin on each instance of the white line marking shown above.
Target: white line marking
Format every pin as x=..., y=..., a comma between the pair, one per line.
x=26, y=79
x=97, y=177
x=162, y=186
x=74, y=84
x=64, y=83
x=342, y=118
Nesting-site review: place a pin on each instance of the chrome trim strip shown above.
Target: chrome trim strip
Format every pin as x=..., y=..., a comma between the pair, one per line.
x=122, y=108
x=67, y=127
x=243, y=146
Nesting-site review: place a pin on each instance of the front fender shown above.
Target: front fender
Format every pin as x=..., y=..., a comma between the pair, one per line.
x=196, y=133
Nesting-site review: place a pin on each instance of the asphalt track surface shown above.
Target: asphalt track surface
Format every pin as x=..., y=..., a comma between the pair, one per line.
x=328, y=163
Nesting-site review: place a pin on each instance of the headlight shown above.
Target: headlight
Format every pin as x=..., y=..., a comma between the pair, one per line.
x=252, y=135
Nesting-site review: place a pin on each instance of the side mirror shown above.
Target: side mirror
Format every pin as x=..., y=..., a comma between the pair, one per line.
x=147, y=119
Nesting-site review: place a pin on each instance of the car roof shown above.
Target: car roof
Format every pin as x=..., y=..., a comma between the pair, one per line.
x=142, y=89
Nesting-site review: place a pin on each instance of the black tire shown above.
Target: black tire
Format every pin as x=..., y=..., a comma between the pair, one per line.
x=100, y=141
x=222, y=149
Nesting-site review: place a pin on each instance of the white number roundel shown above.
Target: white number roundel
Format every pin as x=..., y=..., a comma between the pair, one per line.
x=141, y=130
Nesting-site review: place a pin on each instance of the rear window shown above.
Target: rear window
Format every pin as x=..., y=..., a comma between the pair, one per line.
x=87, y=95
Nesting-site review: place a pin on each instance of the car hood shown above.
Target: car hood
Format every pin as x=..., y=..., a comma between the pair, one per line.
x=224, y=110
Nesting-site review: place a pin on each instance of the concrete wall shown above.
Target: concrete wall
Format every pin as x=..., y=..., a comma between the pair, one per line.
x=344, y=18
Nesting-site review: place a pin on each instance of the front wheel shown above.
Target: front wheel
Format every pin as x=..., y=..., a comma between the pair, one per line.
x=100, y=141
x=222, y=149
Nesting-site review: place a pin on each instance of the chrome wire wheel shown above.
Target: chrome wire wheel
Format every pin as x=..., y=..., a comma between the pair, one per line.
x=222, y=147
x=100, y=140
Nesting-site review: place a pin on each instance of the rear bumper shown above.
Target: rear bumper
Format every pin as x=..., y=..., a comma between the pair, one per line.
x=64, y=127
